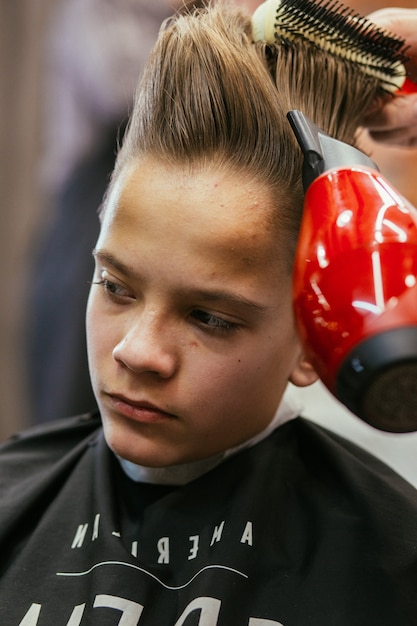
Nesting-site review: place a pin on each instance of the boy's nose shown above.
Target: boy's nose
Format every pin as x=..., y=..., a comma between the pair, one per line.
x=148, y=346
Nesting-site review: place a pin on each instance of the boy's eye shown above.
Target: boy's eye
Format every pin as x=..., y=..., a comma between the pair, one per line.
x=114, y=290
x=212, y=322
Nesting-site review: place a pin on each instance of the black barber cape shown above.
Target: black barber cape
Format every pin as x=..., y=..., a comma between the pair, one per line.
x=302, y=529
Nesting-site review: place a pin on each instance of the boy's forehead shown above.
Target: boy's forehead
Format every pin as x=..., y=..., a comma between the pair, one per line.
x=209, y=207
x=212, y=194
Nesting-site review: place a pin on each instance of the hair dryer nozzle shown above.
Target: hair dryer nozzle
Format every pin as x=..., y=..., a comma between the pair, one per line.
x=320, y=151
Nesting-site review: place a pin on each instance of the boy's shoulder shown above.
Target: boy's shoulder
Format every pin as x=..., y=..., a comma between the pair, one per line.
x=324, y=468
x=340, y=465
x=40, y=447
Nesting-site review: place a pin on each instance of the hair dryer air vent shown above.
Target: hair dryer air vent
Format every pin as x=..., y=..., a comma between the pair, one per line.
x=355, y=281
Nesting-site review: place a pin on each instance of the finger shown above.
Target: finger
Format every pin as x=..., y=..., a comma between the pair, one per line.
x=399, y=113
x=401, y=137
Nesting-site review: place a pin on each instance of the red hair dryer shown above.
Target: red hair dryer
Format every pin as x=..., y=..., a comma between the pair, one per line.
x=355, y=281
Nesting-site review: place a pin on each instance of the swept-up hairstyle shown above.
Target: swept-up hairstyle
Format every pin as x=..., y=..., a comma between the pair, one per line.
x=210, y=94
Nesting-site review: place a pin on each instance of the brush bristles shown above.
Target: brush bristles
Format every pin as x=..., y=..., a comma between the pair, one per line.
x=339, y=30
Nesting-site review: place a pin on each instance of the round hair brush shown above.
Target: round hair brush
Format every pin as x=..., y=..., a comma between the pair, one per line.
x=339, y=30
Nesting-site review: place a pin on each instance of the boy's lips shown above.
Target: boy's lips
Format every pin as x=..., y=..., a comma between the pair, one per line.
x=138, y=410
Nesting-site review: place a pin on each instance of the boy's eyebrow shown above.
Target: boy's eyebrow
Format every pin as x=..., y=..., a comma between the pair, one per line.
x=227, y=297
x=202, y=294
x=102, y=255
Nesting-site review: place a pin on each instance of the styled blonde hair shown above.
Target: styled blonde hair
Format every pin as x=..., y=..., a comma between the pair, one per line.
x=210, y=94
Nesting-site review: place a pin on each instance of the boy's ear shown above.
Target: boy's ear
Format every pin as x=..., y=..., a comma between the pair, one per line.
x=303, y=373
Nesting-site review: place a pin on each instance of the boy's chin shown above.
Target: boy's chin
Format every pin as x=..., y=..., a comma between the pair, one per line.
x=145, y=453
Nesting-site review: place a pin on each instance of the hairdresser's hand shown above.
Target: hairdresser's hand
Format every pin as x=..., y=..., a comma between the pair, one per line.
x=396, y=122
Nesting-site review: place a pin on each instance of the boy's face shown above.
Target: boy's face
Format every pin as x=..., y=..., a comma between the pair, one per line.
x=191, y=334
